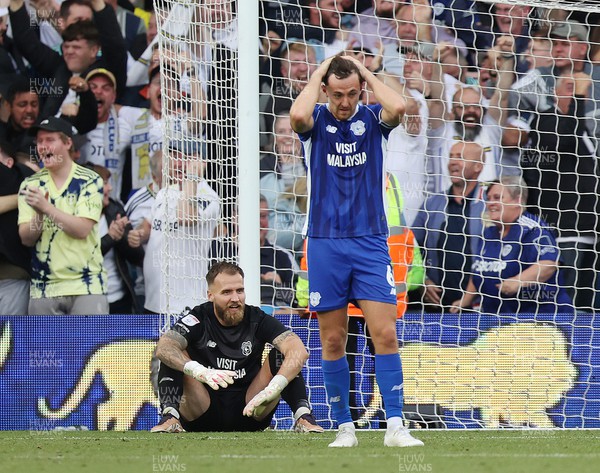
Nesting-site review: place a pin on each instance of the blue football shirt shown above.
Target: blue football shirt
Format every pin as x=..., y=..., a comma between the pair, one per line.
x=346, y=173
x=528, y=241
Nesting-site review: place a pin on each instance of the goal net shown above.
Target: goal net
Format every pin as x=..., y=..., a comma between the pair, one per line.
x=495, y=168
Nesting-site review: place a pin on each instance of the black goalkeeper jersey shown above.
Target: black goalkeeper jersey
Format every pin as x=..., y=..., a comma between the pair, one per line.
x=238, y=348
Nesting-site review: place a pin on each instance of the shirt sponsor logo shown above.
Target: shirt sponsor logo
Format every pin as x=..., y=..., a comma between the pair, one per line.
x=489, y=266
x=346, y=155
x=338, y=161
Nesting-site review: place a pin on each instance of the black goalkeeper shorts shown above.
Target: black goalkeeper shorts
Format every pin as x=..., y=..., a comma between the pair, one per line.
x=225, y=414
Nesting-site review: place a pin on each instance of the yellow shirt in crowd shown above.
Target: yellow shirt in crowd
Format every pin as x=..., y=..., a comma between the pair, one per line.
x=63, y=265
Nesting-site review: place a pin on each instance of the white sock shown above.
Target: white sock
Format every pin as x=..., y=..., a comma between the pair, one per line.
x=172, y=411
x=300, y=412
x=394, y=422
x=347, y=425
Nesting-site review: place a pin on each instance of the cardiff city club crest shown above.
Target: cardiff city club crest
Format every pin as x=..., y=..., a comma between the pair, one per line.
x=358, y=127
x=246, y=348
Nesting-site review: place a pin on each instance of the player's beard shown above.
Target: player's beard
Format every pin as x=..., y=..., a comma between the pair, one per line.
x=228, y=316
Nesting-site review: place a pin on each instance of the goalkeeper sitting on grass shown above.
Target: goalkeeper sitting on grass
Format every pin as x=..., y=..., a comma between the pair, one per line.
x=211, y=377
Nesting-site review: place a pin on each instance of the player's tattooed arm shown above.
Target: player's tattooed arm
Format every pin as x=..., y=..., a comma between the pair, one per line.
x=280, y=338
x=294, y=354
x=171, y=350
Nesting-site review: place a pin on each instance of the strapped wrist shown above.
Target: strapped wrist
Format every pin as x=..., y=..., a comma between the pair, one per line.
x=278, y=382
x=192, y=366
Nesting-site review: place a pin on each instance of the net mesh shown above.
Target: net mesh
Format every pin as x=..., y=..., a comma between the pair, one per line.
x=493, y=90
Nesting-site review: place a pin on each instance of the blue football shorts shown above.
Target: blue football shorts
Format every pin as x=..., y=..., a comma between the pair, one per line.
x=343, y=270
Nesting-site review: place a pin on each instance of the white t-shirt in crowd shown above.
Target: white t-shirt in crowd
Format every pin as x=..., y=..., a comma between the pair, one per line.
x=175, y=279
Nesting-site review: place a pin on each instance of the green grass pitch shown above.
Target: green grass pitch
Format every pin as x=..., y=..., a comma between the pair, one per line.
x=462, y=451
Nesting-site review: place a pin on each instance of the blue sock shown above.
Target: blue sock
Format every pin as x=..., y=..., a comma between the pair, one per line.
x=388, y=371
x=336, y=375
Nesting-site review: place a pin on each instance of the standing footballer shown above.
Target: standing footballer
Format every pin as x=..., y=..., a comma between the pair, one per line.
x=348, y=259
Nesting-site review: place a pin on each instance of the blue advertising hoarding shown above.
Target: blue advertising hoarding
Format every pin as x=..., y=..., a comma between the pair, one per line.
x=480, y=371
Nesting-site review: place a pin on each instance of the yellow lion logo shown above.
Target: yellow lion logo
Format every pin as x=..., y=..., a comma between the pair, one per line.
x=514, y=373
x=125, y=370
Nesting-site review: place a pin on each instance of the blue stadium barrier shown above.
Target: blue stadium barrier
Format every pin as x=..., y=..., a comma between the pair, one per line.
x=93, y=371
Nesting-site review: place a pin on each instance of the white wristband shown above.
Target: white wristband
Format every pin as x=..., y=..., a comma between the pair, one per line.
x=279, y=382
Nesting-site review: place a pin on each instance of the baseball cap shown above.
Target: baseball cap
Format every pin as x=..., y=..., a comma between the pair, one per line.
x=185, y=146
x=568, y=29
x=102, y=72
x=53, y=124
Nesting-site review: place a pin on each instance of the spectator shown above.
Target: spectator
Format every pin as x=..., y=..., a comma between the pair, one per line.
x=23, y=98
x=11, y=60
x=53, y=17
x=224, y=246
x=79, y=141
x=59, y=210
x=532, y=93
x=470, y=121
x=188, y=210
x=449, y=227
x=376, y=24
x=133, y=29
x=413, y=26
x=513, y=20
x=407, y=143
x=460, y=19
x=297, y=63
x=220, y=18
x=82, y=41
x=138, y=208
x=538, y=53
x=185, y=112
x=323, y=27
x=110, y=140
x=560, y=167
x=72, y=11
x=24, y=109
x=280, y=172
x=114, y=229
x=15, y=259
x=516, y=271
x=277, y=266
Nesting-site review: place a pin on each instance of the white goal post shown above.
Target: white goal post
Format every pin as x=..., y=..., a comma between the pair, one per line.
x=519, y=78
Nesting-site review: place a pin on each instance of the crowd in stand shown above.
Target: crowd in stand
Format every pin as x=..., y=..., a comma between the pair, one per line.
x=501, y=93
x=494, y=92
